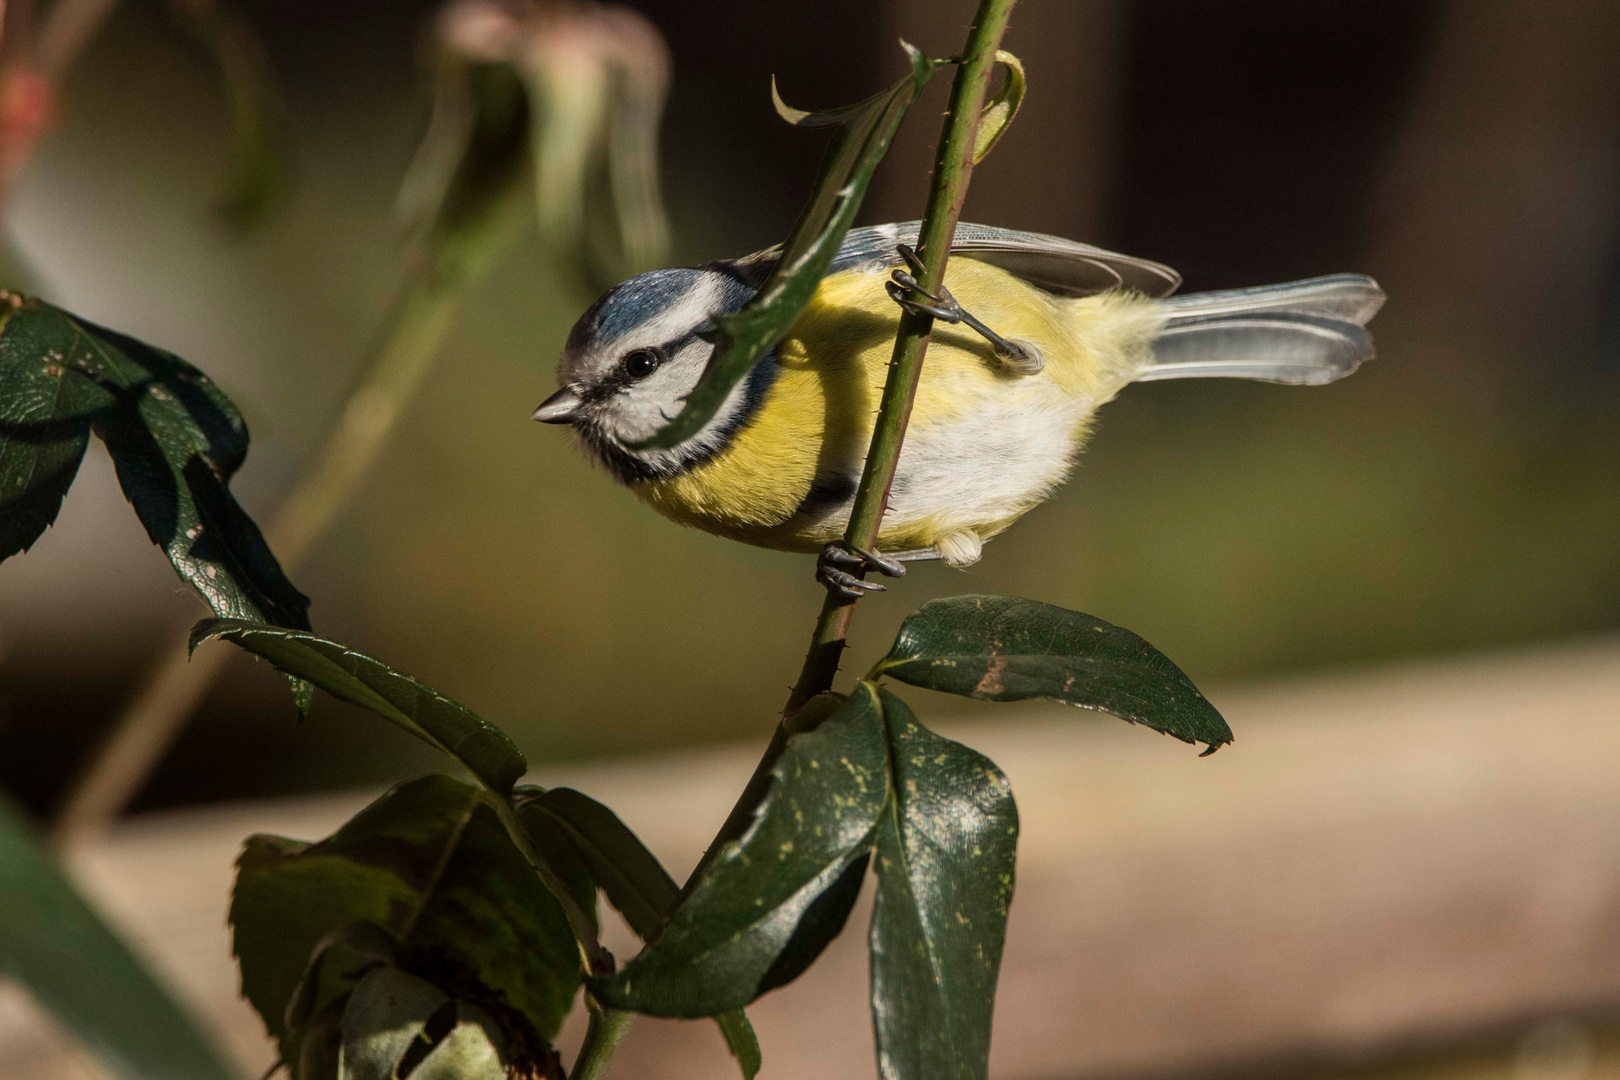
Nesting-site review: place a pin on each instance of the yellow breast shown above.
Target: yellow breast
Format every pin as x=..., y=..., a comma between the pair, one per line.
x=815, y=423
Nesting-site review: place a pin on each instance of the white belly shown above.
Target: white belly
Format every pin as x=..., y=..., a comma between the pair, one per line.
x=977, y=471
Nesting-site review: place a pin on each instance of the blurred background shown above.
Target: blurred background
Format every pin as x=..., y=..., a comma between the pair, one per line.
x=1460, y=493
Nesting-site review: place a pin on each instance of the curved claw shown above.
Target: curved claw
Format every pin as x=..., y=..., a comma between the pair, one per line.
x=901, y=293
x=909, y=253
x=873, y=561
x=844, y=584
x=842, y=553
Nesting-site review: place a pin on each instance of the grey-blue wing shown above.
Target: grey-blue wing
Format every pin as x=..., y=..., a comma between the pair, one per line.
x=1063, y=267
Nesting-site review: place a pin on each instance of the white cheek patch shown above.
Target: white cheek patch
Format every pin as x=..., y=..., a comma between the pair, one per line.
x=636, y=412
x=624, y=412
x=645, y=409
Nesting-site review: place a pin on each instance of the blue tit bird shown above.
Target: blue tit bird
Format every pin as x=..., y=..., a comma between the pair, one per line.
x=1038, y=333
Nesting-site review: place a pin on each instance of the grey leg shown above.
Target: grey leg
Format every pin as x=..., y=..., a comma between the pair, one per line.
x=926, y=554
x=1019, y=356
x=839, y=581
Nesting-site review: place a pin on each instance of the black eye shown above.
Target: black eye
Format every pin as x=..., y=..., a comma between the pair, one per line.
x=642, y=362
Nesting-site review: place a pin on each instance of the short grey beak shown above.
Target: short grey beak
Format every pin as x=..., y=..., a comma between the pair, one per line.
x=560, y=408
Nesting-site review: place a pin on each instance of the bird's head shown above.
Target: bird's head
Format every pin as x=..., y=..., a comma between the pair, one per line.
x=632, y=359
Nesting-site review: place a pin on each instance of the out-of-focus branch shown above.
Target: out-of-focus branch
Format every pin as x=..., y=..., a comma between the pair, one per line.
x=468, y=190
x=67, y=27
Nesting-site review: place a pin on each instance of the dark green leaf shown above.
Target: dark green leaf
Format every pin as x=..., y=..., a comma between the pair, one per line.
x=1001, y=648
x=52, y=943
x=431, y=866
x=556, y=848
x=338, y=960
x=492, y=916
x=45, y=414
x=864, y=133
x=290, y=896
x=174, y=437
x=822, y=921
x=635, y=882
x=633, y=879
x=482, y=748
x=946, y=848
x=721, y=948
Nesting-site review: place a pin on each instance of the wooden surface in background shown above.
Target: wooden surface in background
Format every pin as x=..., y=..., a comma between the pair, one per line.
x=1426, y=848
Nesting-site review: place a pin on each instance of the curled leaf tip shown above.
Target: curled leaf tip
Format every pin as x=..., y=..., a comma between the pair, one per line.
x=920, y=64
x=787, y=112
x=864, y=131
x=205, y=630
x=998, y=115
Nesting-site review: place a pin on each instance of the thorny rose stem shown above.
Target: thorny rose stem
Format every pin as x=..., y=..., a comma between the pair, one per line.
x=953, y=167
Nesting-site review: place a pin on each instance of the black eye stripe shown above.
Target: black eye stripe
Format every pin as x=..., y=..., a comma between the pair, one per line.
x=617, y=379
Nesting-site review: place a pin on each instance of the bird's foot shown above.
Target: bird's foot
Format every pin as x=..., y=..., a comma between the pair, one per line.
x=831, y=572
x=1020, y=357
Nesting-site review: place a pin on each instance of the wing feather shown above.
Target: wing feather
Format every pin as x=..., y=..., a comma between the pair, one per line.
x=1060, y=266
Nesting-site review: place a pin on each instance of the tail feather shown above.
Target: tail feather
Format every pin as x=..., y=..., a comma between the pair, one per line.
x=1303, y=333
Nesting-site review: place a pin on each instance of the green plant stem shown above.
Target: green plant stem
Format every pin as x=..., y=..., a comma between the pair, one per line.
x=602, y=1038
x=953, y=167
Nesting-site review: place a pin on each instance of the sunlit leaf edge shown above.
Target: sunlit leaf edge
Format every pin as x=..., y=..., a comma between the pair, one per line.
x=499, y=763
x=747, y=335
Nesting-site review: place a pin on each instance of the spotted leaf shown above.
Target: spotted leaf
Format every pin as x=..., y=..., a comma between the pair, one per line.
x=1002, y=648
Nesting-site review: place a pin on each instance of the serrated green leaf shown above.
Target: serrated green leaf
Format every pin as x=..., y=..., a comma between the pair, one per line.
x=631, y=877
x=175, y=438
x=863, y=137
x=431, y=866
x=753, y=913
x=55, y=945
x=291, y=895
x=1002, y=648
x=492, y=916
x=45, y=414
x=450, y=727
x=945, y=854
